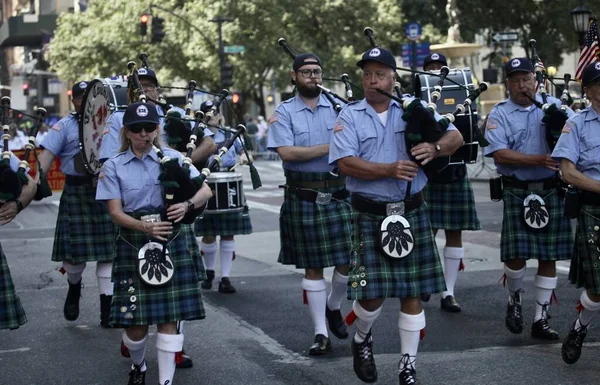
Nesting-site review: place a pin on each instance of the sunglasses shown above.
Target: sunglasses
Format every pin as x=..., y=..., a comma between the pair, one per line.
x=137, y=128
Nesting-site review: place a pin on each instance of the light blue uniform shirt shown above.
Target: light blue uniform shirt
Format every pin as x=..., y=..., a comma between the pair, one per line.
x=360, y=133
x=511, y=126
x=111, y=141
x=14, y=161
x=230, y=156
x=295, y=124
x=135, y=181
x=63, y=141
x=580, y=142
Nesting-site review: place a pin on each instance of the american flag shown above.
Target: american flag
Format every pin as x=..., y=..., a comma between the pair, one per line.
x=590, y=50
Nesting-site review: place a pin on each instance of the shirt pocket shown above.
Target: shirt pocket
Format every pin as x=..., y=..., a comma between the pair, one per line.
x=301, y=135
x=590, y=151
x=368, y=143
x=400, y=139
x=131, y=185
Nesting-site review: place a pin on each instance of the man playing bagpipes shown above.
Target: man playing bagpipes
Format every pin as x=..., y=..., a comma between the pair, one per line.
x=394, y=252
x=84, y=232
x=533, y=225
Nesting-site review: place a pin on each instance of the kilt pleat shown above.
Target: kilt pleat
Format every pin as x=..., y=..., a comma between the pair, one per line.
x=551, y=243
x=451, y=206
x=135, y=303
x=227, y=223
x=187, y=231
x=84, y=231
x=376, y=275
x=12, y=314
x=585, y=262
x=315, y=236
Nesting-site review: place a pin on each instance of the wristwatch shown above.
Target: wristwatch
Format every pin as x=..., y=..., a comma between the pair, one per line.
x=438, y=148
x=19, y=205
x=190, y=205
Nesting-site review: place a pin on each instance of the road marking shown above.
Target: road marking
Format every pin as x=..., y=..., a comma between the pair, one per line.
x=562, y=269
x=20, y=350
x=263, y=206
x=264, y=194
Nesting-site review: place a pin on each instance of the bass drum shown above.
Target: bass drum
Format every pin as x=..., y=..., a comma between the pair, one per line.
x=457, y=86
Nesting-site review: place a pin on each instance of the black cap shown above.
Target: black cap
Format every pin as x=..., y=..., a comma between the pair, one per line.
x=591, y=73
x=206, y=106
x=380, y=55
x=305, y=59
x=140, y=113
x=79, y=88
x=518, y=64
x=435, y=57
x=147, y=72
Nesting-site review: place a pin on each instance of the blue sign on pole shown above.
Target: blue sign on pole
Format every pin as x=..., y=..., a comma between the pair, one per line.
x=413, y=31
x=407, y=53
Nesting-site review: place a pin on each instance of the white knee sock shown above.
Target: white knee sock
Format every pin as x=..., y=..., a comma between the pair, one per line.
x=137, y=349
x=209, y=251
x=103, y=274
x=316, y=294
x=166, y=347
x=364, y=320
x=544, y=287
x=452, y=258
x=226, y=251
x=410, y=326
x=339, y=288
x=514, y=279
x=590, y=309
x=74, y=272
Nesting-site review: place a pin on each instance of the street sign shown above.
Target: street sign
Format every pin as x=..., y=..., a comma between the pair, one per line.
x=407, y=53
x=505, y=37
x=413, y=31
x=234, y=49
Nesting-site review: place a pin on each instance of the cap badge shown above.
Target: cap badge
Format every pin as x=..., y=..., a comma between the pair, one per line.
x=83, y=85
x=374, y=52
x=515, y=63
x=142, y=71
x=141, y=111
x=435, y=56
x=597, y=66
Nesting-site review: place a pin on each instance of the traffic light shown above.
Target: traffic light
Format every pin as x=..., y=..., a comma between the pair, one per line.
x=235, y=98
x=144, y=24
x=158, y=32
x=226, y=75
x=25, y=89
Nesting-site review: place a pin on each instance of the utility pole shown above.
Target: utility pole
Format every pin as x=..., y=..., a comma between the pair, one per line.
x=220, y=20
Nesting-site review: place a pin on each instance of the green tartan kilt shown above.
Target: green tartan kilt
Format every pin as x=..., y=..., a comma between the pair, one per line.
x=226, y=223
x=376, y=275
x=12, y=314
x=187, y=231
x=135, y=303
x=84, y=231
x=451, y=206
x=519, y=241
x=585, y=262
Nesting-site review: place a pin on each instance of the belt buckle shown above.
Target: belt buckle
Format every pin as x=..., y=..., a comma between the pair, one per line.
x=323, y=198
x=536, y=186
x=395, y=208
x=150, y=218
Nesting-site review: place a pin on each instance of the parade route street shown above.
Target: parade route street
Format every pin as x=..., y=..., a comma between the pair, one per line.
x=261, y=334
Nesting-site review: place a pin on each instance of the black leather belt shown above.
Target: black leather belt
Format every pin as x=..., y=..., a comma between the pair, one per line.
x=311, y=196
x=544, y=184
x=316, y=184
x=368, y=206
x=590, y=198
x=76, y=180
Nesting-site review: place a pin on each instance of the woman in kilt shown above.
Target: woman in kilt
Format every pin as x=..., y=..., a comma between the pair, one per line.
x=84, y=232
x=130, y=185
x=578, y=150
x=395, y=255
x=12, y=315
x=224, y=224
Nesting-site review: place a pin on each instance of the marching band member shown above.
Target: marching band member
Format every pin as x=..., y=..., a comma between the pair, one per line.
x=130, y=185
x=369, y=146
x=315, y=218
x=533, y=225
x=578, y=150
x=451, y=207
x=84, y=231
x=12, y=315
x=225, y=225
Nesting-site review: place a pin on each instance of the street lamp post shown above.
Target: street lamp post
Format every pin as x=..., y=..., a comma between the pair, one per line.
x=220, y=20
x=581, y=18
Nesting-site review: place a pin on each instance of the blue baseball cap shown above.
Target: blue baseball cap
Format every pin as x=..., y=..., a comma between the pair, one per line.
x=306, y=59
x=518, y=64
x=140, y=113
x=435, y=57
x=147, y=72
x=591, y=73
x=78, y=89
x=379, y=55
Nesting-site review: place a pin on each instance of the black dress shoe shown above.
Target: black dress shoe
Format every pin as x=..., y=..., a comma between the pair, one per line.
x=71, y=308
x=425, y=297
x=336, y=323
x=364, y=362
x=407, y=375
x=225, y=286
x=321, y=346
x=540, y=329
x=136, y=376
x=449, y=304
x=571, y=348
x=182, y=360
x=207, y=283
x=514, y=314
x=105, y=302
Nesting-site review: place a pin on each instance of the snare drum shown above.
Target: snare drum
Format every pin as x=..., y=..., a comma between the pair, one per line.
x=228, y=192
x=458, y=85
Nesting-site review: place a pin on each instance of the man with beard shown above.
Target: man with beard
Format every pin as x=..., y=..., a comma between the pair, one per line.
x=386, y=182
x=533, y=225
x=315, y=219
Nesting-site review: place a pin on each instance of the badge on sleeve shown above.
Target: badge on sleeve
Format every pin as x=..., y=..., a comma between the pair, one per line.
x=338, y=126
x=273, y=119
x=491, y=124
x=567, y=128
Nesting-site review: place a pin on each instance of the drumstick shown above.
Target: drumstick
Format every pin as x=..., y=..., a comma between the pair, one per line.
x=234, y=166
